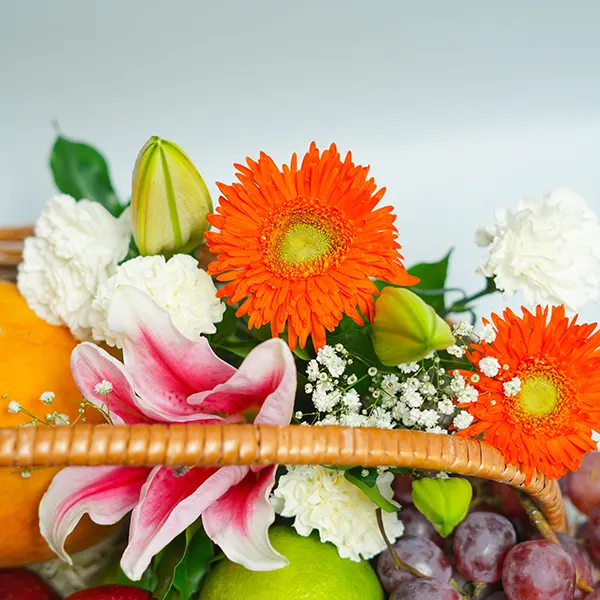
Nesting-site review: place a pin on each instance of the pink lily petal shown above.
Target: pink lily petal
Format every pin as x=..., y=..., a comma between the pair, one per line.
x=265, y=382
x=164, y=365
x=239, y=522
x=90, y=365
x=171, y=500
x=107, y=494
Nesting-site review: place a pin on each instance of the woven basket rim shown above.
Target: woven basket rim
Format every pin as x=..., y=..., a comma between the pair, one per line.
x=247, y=444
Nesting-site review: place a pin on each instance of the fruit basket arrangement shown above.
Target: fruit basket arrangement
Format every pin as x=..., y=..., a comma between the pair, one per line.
x=261, y=400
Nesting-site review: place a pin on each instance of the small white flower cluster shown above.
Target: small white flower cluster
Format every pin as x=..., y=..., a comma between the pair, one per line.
x=323, y=499
x=51, y=419
x=14, y=407
x=466, y=333
x=414, y=396
x=103, y=388
x=55, y=417
x=488, y=365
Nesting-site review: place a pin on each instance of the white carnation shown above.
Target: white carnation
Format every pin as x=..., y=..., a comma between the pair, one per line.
x=323, y=499
x=549, y=249
x=76, y=247
x=186, y=292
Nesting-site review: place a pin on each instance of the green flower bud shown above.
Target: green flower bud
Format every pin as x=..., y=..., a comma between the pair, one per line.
x=444, y=502
x=406, y=329
x=169, y=200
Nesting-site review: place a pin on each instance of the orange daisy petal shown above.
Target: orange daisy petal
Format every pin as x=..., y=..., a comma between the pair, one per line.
x=299, y=245
x=548, y=424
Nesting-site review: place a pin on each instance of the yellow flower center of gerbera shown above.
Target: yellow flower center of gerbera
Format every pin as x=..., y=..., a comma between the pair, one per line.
x=304, y=242
x=304, y=237
x=546, y=400
x=538, y=396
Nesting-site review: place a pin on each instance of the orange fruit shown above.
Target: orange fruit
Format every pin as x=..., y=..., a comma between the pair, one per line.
x=34, y=358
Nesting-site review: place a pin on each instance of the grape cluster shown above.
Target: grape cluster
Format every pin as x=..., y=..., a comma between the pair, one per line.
x=495, y=553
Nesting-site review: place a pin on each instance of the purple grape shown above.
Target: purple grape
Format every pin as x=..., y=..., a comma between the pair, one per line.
x=419, y=553
x=593, y=532
x=402, y=486
x=583, y=485
x=511, y=507
x=416, y=525
x=481, y=543
x=581, y=559
x=425, y=588
x=497, y=596
x=538, y=570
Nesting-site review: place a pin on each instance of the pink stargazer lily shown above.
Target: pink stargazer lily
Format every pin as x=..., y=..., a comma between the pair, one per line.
x=167, y=378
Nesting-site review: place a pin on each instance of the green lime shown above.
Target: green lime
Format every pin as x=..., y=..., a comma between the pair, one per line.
x=315, y=572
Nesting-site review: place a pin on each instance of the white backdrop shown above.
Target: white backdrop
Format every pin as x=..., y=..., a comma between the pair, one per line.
x=459, y=106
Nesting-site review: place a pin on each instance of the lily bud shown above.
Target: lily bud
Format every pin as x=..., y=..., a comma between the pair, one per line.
x=444, y=502
x=169, y=201
x=406, y=329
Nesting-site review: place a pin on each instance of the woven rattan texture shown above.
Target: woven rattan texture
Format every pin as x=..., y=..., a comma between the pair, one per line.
x=222, y=445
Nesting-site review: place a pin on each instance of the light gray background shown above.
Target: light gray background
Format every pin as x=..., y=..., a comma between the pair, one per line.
x=460, y=107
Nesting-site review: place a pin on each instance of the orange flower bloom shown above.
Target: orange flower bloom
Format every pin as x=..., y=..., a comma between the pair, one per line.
x=300, y=244
x=547, y=424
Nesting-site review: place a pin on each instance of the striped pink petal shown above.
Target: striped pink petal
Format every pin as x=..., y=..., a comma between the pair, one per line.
x=265, y=383
x=164, y=365
x=239, y=522
x=106, y=494
x=91, y=367
x=171, y=500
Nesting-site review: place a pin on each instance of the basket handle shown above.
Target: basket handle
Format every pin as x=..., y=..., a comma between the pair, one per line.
x=232, y=444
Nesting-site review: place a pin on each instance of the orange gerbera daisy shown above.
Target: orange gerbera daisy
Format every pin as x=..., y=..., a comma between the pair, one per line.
x=300, y=244
x=540, y=408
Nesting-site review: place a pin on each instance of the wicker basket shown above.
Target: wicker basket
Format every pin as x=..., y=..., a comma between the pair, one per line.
x=220, y=445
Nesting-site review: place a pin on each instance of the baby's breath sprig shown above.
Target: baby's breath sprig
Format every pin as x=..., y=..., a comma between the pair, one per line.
x=55, y=418
x=416, y=395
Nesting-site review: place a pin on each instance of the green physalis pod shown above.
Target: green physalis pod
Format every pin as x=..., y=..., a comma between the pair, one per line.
x=445, y=502
x=406, y=329
x=169, y=200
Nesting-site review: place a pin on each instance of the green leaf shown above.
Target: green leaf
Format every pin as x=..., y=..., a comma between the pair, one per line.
x=433, y=277
x=195, y=564
x=302, y=353
x=113, y=575
x=238, y=347
x=147, y=582
x=169, y=560
x=367, y=482
x=166, y=561
x=81, y=171
x=359, y=344
x=399, y=470
x=226, y=328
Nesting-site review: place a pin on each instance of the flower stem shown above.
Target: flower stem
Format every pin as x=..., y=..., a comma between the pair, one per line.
x=398, y=562
x=462, y=305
